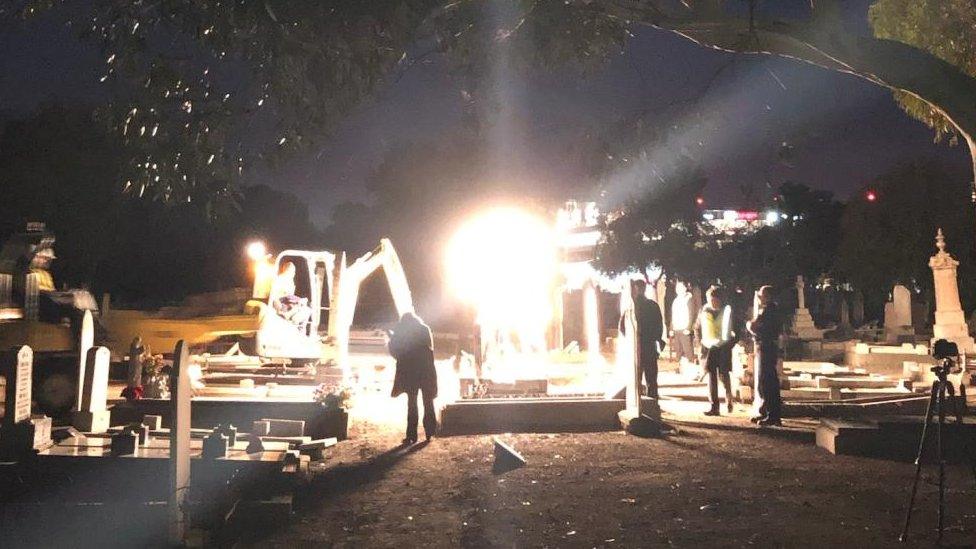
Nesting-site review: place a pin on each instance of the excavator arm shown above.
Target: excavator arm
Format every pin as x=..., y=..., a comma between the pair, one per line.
x=349, y=278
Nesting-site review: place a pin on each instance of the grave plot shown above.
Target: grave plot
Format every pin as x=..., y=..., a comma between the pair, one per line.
x=173, y=479
x=893, y=437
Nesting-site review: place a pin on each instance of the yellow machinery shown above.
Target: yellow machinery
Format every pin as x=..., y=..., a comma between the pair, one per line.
x=31, y=311
x=328, y=286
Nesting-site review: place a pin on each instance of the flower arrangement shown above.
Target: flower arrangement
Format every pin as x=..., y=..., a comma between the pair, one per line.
x=155, y=382
x=332, y=397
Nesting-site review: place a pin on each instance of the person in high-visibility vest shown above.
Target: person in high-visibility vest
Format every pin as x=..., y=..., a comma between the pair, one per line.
x=717, y=337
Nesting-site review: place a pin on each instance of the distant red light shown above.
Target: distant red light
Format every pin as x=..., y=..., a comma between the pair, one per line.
x=699, y=200
x=870, y=196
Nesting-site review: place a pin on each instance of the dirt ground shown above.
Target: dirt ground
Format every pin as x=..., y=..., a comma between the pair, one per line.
x=718, y=485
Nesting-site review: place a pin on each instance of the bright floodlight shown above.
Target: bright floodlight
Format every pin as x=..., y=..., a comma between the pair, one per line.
x=503, y=262
x=256, y=250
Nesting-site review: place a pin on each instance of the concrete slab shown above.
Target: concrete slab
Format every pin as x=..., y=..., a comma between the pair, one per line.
x=861, y=383
x=551, y=414
x=895, y=437
x=320, y=422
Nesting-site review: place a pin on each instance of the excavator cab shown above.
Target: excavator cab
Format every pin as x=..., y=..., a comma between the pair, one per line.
x=290, y=322
x=307, y=308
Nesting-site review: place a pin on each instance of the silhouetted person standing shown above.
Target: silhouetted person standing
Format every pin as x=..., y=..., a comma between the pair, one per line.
x=766, y=329
x=650, y=329
x=717, y=338
x=412, y=347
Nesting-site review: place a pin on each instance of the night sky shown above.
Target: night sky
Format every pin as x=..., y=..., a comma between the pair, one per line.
x=845, y=131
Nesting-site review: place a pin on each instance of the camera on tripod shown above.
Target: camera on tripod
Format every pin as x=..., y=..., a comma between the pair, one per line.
x=946, y=352
x=943, y=349
x=942, y=399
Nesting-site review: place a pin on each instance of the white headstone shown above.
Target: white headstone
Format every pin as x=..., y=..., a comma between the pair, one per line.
x=950, y=321
x=92, y=415
x=801, y=323
x=801, y=302
x=17, y=367
x=898, y=315
x=22, y=432
x=179, y=445
x=95, y=391
x=85, y=342
x=901, y=306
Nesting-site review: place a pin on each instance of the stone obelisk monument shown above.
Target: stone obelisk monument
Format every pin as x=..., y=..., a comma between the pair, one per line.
x=950, y=321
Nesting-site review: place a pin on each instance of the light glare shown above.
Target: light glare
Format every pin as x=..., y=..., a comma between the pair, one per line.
x=256, y=250
x=503, y=262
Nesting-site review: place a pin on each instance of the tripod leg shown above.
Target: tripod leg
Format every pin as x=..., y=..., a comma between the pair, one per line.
x=918, y=460
x=941, y=456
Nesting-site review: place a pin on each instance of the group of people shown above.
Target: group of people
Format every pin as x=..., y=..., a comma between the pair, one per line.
x=714, y=327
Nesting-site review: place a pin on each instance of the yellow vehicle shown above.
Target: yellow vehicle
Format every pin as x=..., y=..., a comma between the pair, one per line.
x=307, y=325
x=32, y=312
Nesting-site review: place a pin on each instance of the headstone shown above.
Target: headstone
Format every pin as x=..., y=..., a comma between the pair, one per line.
x=261, y=428
x=21, y=432
x=920, y=316
x=801, y=325
x=125, y=443
x=31, y=297
x=950, y=322
x=844, y=315
x=631, y=341
x=140, y=429
x=800, y=285
x=641, y=415
x=154, y=422
x=857, y=309
x=86, y=340
x=228, y=431
x=6, y=289
x=286, y=427
x=898, y=315
x=506, y=458
x=179, y=445
x=64, y=433
x=91, y=415
x=18, y=373
x=215, y=445
x=134, y=374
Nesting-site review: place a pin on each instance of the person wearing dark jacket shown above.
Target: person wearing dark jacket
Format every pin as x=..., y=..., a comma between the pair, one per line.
x=650, y=329
x=412, y=346
x=766, y=329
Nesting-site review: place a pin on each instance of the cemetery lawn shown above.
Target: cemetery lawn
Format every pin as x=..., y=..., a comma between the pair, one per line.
x=701, y=487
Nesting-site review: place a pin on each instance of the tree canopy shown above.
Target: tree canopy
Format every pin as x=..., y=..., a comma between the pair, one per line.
x=56, y=166
x=200, y=91
x=943, y=28
x=889, y=241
